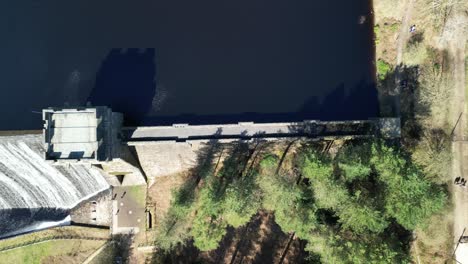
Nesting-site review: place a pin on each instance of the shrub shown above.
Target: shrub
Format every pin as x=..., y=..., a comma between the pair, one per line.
x=383, y=68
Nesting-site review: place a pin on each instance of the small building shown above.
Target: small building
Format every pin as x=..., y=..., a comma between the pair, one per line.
x=87, y=134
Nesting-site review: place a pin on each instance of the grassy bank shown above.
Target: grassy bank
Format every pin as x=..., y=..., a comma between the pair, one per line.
x=72, y=231
x=56, y=251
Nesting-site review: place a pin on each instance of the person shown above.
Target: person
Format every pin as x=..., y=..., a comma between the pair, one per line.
x=412, y=28
x=457, y=180
x=123, y=194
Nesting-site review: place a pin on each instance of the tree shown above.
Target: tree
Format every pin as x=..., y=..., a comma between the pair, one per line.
x=292, y=204
x=241, y=200
x=354, y=161
x=409, y=196
x=339, y=247
x=229, y=198
x=413, y=199
x=433, y=154
x=361, y=218
x=356, y=208
x=315, y=164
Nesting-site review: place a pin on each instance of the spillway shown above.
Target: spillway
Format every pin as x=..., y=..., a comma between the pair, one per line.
x=33, y=191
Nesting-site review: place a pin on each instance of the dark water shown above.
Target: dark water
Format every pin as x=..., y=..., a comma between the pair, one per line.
x=206, y=61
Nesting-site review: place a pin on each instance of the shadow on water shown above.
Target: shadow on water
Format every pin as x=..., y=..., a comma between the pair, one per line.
x=126, y=83
x=358, y=103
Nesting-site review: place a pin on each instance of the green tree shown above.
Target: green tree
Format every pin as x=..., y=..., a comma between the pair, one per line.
x=339, y=247
x=229, y=198
x=413, y=199
x=208, y=227
x=315, y=164
x=354, y=161
x=409, y=196
x=292, y=204
x=241, y=200
x=361, y=218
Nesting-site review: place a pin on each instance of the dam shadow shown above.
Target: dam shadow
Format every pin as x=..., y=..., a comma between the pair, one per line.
x=357, y=103
x=126, y=83
x=24, y=220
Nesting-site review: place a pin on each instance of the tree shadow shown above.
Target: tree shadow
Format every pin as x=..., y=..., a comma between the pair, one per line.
x=126, y=83
x=413, y=108
x=219, y=165
x=121, y=247
x=174, y=227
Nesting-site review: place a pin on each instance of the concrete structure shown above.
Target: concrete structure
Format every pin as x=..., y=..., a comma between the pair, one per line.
x=386, y=127
x=90, y=136
x=95, y=136
x=80, y=134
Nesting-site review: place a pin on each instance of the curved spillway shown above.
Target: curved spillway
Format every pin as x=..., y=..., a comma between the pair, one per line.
x=33, y=191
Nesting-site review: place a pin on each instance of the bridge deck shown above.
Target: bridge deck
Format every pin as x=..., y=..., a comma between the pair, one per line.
x=248, y=130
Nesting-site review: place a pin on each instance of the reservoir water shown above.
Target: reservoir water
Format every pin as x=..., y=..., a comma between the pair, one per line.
x=207, y=61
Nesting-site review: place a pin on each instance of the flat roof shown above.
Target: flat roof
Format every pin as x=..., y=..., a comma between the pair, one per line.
x=71, y=133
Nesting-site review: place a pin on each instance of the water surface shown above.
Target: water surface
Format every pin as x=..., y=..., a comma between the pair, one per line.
x=207, y=61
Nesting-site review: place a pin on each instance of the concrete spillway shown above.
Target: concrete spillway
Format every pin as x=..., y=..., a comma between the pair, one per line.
x=33, y=191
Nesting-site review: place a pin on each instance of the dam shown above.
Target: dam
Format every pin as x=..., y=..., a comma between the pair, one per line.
x=82, y=152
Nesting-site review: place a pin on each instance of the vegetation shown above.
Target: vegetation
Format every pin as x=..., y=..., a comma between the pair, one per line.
x=54, y=251
x=358, y=206
x=383, y=68
x=62, y=231
x=377, y=34
x=426, y=99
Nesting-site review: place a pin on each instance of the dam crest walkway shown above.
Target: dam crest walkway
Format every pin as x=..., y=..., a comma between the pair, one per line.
x=386, y=127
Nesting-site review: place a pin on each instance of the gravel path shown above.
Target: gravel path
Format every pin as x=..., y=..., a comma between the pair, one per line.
x=454, y=39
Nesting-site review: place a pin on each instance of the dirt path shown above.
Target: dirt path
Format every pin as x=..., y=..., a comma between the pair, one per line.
x=456, y=47
x=403, y=37
x=404, y=34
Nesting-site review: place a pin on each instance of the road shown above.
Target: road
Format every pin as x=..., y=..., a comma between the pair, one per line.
x=456, y=47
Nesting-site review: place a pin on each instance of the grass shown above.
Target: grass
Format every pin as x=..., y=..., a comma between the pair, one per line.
x=138, y=193
x=394, y=27
x=53, y=232
x=107, y=255
x=388, y=9
x=58, y=251
x=433, y=244
x=415, y=54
